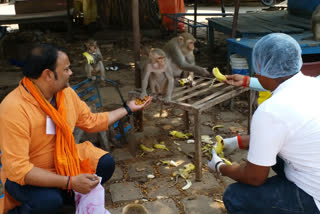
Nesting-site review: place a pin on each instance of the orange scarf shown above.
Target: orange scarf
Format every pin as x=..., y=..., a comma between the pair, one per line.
x=66, y=156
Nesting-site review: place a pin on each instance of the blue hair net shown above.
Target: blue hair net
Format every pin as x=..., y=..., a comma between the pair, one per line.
x=276, y=55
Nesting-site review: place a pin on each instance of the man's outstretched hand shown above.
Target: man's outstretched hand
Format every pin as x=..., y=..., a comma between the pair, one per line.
x=235, y=80
x=134, y=107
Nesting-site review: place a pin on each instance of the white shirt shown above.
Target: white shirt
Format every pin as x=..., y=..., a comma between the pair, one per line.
x=288, y=125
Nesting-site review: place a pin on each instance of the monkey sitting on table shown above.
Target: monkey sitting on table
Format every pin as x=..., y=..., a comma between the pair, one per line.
x=94, y=60
x=158, y=73
x=180, y=51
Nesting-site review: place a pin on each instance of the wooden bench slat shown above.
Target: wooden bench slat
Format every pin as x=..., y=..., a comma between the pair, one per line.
x=216, y=94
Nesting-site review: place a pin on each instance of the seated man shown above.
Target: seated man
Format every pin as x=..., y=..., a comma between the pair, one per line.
x=285, y=135
x=39, y=156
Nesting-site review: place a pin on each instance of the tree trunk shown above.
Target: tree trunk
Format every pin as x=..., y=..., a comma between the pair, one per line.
x=118, y=13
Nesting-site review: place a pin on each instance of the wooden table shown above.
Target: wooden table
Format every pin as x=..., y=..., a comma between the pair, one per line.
x=244, y=46
x=195, y=100
x=51, y=16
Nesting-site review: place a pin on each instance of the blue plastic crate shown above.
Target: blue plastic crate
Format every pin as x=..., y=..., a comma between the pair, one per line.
x=240, y=71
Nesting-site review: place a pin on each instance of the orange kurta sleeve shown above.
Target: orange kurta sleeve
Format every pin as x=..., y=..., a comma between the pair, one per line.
x=86, y=120
x=14, y=143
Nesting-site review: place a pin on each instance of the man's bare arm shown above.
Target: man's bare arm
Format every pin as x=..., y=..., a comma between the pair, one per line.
x=248, y=173
x=43, y=178
x=82, y=183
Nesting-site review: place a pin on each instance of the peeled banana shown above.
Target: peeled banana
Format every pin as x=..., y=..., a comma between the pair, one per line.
x=220, y=145
x=218, y=75
x=160, y=146
x=226, y=161
x=146, y=149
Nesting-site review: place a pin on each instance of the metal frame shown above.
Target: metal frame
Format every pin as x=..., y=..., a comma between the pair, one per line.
x=195, y=100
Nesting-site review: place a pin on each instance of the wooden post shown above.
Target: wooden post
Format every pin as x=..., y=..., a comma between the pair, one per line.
x=235, y=18
x=195, y=18
x=197, y=144
x=186, y=121
x=136, y=39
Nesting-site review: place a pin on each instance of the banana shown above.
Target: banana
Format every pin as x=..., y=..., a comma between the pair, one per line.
x=226, y=161
x=220, y=145
x=188, y=134
x=184, y=81
x=179, y=134
x=160, y=146
x=88, y=57
x=218, y=75
x=217, y=126
x=146, y=149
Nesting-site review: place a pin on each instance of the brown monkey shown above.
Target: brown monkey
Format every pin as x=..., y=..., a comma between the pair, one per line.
x=158, y=73
x=180, y=51
x=134, y=209
x=316, y=23
x=96, y=64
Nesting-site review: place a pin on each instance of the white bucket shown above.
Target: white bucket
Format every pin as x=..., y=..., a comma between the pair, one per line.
x=239, y=64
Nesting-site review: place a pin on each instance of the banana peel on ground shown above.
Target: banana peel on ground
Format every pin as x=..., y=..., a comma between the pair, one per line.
x=185, y=173
x=160, y=146
x=146, y=149
x=206, y=139
x=217, y=126
x=169, y=163
x=187, y=186
x=178, y=134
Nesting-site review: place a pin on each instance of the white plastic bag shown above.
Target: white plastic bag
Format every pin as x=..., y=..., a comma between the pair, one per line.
x=91, y=203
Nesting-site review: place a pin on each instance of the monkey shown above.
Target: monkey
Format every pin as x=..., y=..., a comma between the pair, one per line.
x=158, y=73
x=96, y=62
x=316, y=23
x=180, y=50
x=134, y=209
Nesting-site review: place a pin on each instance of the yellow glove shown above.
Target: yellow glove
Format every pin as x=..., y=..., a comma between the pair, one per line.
x=90, y=59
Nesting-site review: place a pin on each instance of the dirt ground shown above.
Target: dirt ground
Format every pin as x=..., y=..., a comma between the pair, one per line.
x=117, y=50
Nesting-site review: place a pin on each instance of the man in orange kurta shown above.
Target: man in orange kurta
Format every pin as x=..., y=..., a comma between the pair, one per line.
x=28, y=138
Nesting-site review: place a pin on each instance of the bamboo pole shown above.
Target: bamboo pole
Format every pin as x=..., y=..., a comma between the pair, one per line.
x=136, y=39
x=235, y=18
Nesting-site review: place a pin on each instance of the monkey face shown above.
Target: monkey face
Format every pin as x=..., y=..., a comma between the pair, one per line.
x=158, y=61
x=190, y=44
x=92, y=49
x=161, y=60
